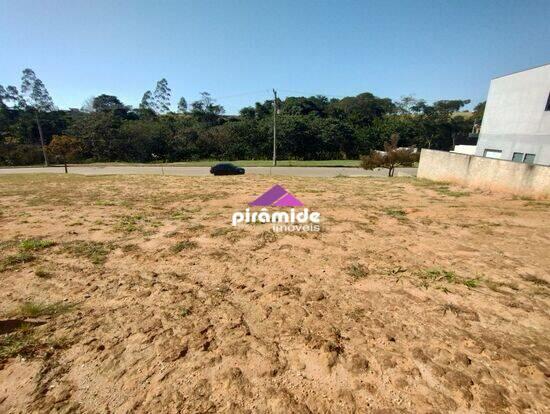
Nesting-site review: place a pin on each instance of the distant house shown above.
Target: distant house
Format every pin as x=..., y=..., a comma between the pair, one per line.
x=516, y=123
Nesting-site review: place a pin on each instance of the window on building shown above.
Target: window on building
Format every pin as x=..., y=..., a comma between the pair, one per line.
x=517, y=157
x=529, y=158
x=491, y=153
x=548, y=103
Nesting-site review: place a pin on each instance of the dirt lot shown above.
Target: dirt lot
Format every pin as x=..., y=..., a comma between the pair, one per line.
x=134, y=294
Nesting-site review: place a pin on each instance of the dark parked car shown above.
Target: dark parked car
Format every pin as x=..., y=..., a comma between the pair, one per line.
x=226, y=169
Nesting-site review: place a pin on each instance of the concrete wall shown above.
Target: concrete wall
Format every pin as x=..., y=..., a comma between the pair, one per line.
x=465, y=149
x=515, y=119
x=485, y=173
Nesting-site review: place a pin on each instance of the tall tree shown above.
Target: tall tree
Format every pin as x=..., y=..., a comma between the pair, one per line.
x=147, y=102
x=10, y=93
x=38, y=100
x=409, y=105
x=3, y=96
x=162, y=96
x=205, y=109
x=182, y=105
x=88, y=105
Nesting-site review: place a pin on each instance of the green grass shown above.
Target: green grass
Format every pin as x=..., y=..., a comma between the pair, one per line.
x=438, y=275
x=16, y=259
x=35, y=244
x=448, y=276
x=22, y=342
x=26, y=343
x=471, y=283
x=96, y=252
x=130, y=224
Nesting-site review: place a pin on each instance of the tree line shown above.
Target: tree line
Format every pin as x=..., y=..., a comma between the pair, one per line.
x=315, y=127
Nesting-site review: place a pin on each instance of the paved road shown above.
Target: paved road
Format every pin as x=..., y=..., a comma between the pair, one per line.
x=204, y=171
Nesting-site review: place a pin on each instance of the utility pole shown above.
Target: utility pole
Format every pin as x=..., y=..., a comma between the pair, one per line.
x=275, y=128
x=41, y=139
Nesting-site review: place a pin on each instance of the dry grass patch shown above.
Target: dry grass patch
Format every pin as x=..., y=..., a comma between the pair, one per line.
x=14, y=260
x=397, y=213
x=31, y=309
x=357, y=271
x=184, y=245
x=43, y=273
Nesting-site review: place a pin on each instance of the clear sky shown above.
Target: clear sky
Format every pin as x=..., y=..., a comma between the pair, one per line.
x=239, y=50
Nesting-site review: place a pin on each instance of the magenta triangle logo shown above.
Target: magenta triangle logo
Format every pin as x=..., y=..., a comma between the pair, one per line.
x=277, y=196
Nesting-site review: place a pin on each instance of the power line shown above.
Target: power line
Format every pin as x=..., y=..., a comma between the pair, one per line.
x=313, y=94
x=266, y=91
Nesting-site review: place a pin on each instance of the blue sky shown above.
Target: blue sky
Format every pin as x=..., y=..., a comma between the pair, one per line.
x=239, y=50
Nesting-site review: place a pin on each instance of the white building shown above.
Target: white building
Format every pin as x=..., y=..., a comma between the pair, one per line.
x=516, y=123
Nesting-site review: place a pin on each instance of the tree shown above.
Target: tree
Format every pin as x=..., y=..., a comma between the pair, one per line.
x=100, y=135
x=10, y=93
x=147, y=102
x=182, y=105
x=205, y=110
x=162, y=96
x=3, y=96
x=88, y=105
x=362, y=109
x=104, y=102
x=264, y=110
x=38, y=99
x=391, y=157
x=335, y=139
x=145, y=140
x=479, y=111
x=308, y=127
x=65, y=148
x=315, y=105
x=409, y=105
x=247, y=112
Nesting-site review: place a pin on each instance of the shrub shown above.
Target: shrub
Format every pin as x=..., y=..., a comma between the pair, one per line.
x=391, y=157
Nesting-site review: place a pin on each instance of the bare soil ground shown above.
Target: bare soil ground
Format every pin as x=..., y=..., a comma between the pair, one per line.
x=135, y=294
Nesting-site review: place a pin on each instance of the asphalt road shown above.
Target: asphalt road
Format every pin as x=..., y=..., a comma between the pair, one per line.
x=205, y=171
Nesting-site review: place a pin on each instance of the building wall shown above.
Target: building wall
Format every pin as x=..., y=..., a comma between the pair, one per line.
x=515, y=119
x=465, y=149
x=485, y=173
